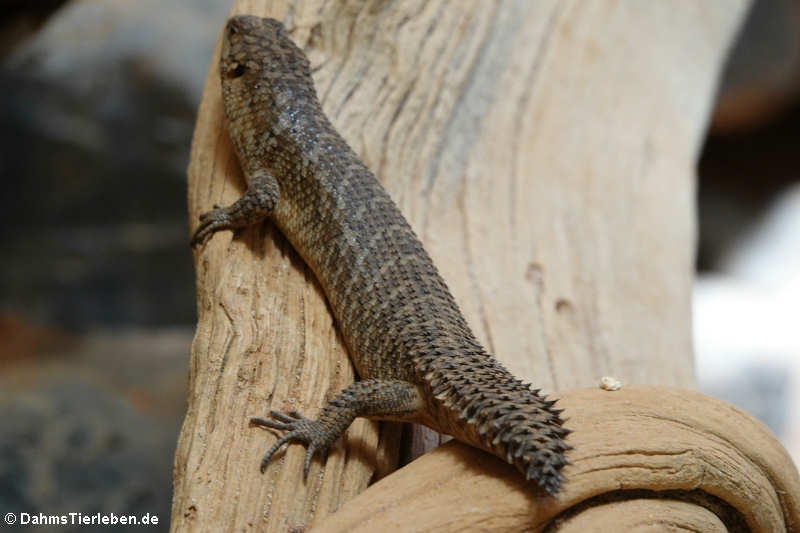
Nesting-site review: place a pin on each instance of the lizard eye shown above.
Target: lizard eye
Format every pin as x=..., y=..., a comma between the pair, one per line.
x=237, y=71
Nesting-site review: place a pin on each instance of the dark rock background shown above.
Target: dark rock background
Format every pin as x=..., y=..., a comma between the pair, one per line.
x=97, y=299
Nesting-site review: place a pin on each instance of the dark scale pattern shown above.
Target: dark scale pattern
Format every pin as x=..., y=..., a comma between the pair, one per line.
x=414, y=351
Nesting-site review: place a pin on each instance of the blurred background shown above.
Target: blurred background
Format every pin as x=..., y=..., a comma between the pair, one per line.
x=97, y=304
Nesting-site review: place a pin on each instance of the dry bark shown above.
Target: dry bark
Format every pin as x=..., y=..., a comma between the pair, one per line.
x=544, y=153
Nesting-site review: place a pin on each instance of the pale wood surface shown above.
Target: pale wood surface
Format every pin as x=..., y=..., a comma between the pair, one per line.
x=645, y=516
x=543, y=151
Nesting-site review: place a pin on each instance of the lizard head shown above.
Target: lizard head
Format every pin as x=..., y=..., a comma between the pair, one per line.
x=266, y=84
x=256, y=49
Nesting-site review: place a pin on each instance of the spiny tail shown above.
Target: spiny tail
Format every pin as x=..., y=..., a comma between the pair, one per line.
x=485, y=405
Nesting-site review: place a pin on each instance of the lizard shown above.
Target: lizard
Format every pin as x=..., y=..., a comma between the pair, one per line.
x=415, y=355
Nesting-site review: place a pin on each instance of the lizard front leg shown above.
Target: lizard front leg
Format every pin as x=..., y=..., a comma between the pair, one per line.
x=255, y=205
x=372, y=398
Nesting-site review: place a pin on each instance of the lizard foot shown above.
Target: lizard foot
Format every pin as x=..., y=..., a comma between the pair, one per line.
x=313, y=433
x=219, y=218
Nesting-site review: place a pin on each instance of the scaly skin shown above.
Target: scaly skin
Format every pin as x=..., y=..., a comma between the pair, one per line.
x=415, y=354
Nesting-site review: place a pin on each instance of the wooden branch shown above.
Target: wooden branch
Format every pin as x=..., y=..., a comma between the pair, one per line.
x=544, y=153
x=643, y=455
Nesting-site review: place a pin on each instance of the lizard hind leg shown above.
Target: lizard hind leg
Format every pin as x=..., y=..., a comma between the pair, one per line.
x=254, y=206
x=374, y=398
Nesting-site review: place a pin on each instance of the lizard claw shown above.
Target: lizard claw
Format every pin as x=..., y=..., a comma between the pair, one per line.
x=217, y=219
x=311, y=432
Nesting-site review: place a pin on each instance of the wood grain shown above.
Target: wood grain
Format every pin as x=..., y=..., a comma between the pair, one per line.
x=543, y=151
